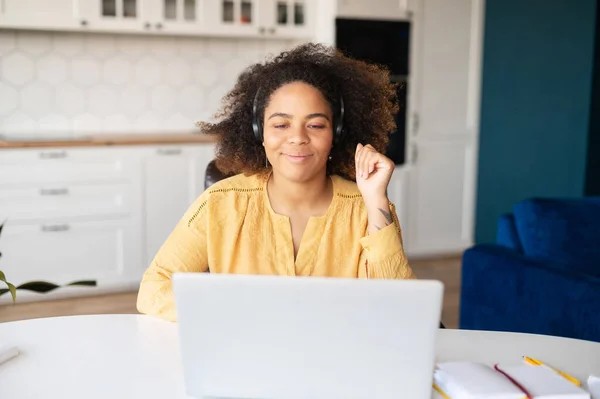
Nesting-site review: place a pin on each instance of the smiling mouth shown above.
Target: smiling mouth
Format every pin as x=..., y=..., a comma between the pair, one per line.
x=297, y=157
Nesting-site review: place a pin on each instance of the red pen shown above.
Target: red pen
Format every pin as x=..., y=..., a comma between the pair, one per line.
x=515, y=382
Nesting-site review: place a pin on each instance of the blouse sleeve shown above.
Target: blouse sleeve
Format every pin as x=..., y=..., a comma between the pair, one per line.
x=183, y=251
x=383, y=253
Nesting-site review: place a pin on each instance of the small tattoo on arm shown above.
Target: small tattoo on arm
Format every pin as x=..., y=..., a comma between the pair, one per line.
x=387, y=215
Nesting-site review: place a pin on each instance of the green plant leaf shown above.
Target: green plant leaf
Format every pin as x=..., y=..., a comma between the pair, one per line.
x=44, y=286
x=13, y=291
x=87, y=283
x=2, y=276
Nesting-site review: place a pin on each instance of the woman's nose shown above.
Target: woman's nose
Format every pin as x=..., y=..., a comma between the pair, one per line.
x=298, y=135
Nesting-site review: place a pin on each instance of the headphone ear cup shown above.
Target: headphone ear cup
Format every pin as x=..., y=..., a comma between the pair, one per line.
x=256, y=129
x=339, y=128
x=256, y=125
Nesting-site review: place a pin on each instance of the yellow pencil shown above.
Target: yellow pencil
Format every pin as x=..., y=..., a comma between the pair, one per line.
x=536, y=362
x=440, y=391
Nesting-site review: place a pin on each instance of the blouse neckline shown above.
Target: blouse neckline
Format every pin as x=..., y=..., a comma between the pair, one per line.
x=330, y=208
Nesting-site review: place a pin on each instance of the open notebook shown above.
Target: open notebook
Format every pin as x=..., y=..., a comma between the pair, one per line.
x=466, y=380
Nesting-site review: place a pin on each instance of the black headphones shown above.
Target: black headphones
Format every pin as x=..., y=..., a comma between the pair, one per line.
x=258, y=130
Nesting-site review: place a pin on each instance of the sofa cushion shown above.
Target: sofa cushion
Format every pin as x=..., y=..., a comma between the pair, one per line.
x=561, y=230
x=507, y=234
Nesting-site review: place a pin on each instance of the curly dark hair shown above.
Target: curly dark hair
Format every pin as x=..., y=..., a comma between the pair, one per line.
x=370, y=103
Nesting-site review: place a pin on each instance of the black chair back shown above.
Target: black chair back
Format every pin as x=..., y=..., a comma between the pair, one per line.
x=213, y=174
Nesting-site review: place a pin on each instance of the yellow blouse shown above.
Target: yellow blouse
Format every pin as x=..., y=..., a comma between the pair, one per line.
x=231, y=228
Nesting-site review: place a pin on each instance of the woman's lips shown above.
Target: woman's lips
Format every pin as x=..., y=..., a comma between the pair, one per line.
x=298, y=158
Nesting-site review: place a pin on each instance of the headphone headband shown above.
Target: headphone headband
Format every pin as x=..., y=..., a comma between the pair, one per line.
x=258, y=129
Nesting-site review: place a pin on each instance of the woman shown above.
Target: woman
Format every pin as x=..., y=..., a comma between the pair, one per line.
x=304, y=134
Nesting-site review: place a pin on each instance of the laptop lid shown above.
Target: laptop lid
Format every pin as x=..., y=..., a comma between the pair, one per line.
x=257, y=336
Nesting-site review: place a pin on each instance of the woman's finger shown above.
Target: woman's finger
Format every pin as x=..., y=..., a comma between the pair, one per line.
x=359, y=148
x=356, y=159
x=373, y=161
x=366, y=162
x=360, y=159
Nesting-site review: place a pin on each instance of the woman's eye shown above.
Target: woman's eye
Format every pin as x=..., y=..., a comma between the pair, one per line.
x=317, y=126
x=280, y=126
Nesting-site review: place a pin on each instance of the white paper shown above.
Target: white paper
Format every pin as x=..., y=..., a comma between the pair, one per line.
x=593, y=383
x=7, y=353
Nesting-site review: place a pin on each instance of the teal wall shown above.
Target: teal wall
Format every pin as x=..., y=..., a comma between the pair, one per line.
x=536, y=87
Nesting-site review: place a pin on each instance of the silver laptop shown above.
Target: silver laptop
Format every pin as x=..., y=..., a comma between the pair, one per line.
x=279, y=337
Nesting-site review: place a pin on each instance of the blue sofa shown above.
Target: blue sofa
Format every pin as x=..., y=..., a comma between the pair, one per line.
x=542, y=275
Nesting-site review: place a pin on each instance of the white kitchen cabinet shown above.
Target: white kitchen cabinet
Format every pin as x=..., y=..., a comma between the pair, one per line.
x=398, y=195
x=443, y=124
x=437, y=199
x=236, y=17
x=93, y=213
x=448, y=72
x=39, y=14
x=35, y=202
x=116, y=15
x=288, y=19
x=173, y=179
x=277, y=19
x=42, y=166
x=177, y=16
x=145, y=16
x=108, y=251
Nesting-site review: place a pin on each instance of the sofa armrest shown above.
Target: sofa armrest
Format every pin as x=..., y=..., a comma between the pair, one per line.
x=503, y=290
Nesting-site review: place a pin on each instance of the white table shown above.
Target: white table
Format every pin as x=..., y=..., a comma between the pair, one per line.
x=135, y=356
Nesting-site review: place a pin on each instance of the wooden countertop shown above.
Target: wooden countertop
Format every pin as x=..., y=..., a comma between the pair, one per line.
x=109, y=140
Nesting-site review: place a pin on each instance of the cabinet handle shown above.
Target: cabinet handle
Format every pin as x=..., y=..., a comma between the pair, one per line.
x=415, y=123
x=159, y=26
x=54, y=191
x=53, y=155
x=415, y=153
x=84, y=22
x=168, y=151
x=147, y=25
x=53, y=228
x=261, y=30
x=271, y=30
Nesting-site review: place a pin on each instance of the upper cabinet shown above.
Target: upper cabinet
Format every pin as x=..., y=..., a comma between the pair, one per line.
x=290, y=19
x=39, y=14
x=178, y=16
x=148, y=16
x=233, y=17
x=114, y=15
x=260, y=18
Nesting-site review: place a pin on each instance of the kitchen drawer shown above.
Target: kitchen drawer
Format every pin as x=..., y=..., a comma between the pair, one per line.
x=108, y=251
x=66, y=165
x=63, y=201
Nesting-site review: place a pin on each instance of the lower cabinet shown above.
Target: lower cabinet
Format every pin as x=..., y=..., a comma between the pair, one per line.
x=173, y=179
x=62, y=252
x=63, y=223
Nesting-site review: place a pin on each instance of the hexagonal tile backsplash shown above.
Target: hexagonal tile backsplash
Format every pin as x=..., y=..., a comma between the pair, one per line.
x=72, y=83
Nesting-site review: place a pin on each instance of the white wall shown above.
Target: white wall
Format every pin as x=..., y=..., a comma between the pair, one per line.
x=73, y=83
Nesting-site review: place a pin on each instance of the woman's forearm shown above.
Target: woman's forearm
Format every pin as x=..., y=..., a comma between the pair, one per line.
x=379, y=214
